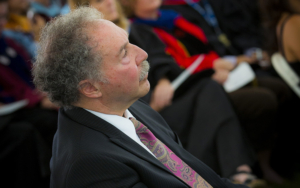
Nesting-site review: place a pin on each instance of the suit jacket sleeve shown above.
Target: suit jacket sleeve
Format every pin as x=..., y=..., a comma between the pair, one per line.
x=86, y=171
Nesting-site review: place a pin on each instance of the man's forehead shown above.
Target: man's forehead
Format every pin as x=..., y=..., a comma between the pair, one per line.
x=105, y=24
x=108, y=37
x=107, y=30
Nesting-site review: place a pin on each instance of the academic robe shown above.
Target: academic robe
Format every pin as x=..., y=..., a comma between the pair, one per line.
x=234, y=20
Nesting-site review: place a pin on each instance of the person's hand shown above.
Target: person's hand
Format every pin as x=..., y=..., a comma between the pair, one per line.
x=47, y=104
x=162, y=95
x=220, y=76
x=244, y=58
x=221, y=63
x=38, y=24
x=265, y=61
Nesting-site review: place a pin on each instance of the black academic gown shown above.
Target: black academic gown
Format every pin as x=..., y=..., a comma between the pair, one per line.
x=90, y=152
x=234, y=20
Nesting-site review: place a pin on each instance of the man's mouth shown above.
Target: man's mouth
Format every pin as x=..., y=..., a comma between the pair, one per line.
x=145, y=77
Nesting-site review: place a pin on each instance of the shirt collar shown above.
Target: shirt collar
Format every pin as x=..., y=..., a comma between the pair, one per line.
x=122, y=123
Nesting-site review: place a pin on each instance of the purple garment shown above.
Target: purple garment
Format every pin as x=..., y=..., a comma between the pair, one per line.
x=168, y=158
x=15, y=76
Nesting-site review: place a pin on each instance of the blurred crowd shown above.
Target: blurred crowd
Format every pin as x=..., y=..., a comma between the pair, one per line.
x=248, y=135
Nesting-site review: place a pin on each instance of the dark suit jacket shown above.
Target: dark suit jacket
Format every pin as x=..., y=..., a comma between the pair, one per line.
x=90, y=152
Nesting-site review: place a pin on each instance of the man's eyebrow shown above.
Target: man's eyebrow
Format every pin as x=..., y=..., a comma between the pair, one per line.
x=122, y=47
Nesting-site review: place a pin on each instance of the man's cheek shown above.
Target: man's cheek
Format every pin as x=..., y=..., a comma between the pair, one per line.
x=125, y=61
x=131, y=72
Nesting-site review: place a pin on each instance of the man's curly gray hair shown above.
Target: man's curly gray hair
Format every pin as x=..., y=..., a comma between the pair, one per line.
x=66, y=57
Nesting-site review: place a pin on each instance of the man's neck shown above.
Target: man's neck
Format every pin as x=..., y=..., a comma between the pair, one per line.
x=105, y=108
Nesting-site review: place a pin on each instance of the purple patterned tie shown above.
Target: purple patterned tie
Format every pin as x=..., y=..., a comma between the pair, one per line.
x=169, y=158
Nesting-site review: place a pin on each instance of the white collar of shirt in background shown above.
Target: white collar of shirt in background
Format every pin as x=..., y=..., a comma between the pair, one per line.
x=123, y=124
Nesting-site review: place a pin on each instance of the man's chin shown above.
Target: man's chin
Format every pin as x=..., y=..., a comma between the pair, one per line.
x=145, y=87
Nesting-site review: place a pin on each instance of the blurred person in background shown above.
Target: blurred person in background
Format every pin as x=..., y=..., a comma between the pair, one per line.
x=228, y=26
x=39, y=116
x=46, y=8
x=16, y=84
x=281, y=21
x=24, y=30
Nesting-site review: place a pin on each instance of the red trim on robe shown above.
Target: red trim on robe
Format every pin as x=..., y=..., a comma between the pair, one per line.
x=191, y=29
x=182, y=58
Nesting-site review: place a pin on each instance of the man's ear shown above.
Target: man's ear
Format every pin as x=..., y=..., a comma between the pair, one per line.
x=89, y=89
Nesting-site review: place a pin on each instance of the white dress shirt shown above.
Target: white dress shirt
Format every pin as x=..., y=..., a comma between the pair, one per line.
x=123, y=124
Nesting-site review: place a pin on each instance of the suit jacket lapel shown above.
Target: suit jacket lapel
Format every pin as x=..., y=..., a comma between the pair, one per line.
x=115, y=135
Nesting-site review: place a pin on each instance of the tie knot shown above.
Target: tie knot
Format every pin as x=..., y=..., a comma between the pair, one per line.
x=139, y=127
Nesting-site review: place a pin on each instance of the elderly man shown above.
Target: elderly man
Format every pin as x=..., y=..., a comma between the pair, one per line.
x=105, y=136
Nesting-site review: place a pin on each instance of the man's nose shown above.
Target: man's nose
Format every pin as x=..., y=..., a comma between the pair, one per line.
x=141, y=55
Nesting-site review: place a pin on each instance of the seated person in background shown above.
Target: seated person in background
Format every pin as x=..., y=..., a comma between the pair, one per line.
x=198, y=111
x=20, y=165
x=16, y=84
x=27, y=134
x=228, y=25
x=282, y=22
x=46, y=8
x=105, y=136
x=20, y=28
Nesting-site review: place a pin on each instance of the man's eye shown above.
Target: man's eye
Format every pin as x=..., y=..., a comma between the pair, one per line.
x=125, y=53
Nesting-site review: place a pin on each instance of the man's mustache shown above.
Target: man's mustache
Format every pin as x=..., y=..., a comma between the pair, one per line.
x=144, y=70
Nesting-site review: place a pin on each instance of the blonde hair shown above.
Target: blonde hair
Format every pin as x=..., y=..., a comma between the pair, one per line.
x=121, y=21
